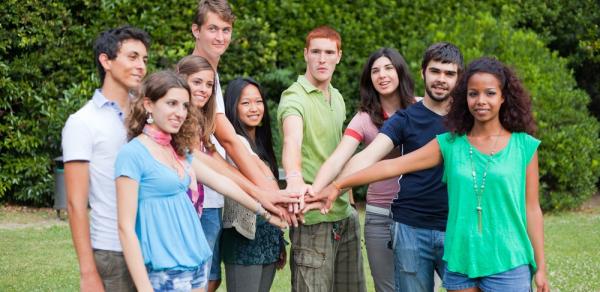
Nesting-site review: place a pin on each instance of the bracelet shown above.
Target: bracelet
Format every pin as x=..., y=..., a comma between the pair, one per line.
x=260, y=211
x=336, y=186
x=293, y=173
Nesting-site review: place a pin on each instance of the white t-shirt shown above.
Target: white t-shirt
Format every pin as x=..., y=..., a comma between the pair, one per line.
x=212, y=199
x=95, y=133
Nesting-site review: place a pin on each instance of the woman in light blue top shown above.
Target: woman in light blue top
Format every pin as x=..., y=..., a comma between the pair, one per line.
x=163, y=242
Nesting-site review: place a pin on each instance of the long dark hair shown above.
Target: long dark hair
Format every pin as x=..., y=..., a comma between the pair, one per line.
x=515, y=112
x=263, y=144
x=369, y=97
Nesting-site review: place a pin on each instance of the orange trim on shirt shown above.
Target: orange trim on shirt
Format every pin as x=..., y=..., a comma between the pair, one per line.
x=354, y=134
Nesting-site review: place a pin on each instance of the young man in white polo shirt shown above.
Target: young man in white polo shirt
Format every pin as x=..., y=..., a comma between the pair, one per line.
x=91, y=140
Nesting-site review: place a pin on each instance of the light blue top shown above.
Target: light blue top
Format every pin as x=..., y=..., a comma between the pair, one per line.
x=167, y=226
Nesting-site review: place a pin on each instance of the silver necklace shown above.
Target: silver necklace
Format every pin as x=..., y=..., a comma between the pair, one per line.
x=479, y=189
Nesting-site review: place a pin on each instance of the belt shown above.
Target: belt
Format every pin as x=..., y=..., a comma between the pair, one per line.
x=378, y=210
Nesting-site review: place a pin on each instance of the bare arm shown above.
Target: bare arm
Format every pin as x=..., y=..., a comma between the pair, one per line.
x=425, y=157
x=268, y=198
x=379, y=148
x=127, y=197
x=535, y=222
x=77, y=179
x=334, y=164
x=240, y=155
x=227, y=187
x=291, y=158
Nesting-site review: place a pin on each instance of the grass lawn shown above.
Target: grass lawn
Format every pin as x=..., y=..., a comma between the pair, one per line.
x=36, y=253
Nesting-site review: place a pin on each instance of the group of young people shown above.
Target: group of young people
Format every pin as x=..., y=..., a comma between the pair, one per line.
x=180, y=176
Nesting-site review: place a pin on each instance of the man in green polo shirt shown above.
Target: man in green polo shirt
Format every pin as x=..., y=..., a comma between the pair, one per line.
x=325, y=250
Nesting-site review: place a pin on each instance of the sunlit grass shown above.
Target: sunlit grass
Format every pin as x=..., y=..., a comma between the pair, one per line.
x=40, y=256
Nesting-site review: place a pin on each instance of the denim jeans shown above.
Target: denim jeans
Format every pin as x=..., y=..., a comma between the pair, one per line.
x=178, y=280
x=212, y=223
x=417, y=253
x=517, y=280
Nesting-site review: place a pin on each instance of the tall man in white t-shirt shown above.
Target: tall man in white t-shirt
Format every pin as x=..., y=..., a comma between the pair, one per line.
x=212, y=28
x=91, y=140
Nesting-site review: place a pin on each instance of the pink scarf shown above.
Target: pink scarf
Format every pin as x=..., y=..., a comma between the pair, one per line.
x=164, y=139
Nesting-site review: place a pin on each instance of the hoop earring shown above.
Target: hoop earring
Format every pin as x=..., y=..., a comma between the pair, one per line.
x=149, y=120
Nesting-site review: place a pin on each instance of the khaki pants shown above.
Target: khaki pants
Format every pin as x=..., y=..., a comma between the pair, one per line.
x=327, y=257
x=113, y=271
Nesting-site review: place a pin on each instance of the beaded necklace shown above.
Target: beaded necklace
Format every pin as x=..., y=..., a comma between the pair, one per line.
x=479, y=189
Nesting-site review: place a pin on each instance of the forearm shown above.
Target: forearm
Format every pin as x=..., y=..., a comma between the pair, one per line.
x=77, y=188
x=377, y=150
x=134, y=259
x=334, y=164
x=80, y=232
x=225, y=187
x=227, y=137
x=127, y=207
x=425, y=157
x=376, y=172
x=218, y=164
x=535, y=230
x=245, y=163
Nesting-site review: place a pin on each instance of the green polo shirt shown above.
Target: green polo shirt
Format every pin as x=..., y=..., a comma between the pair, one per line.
x=322, y=132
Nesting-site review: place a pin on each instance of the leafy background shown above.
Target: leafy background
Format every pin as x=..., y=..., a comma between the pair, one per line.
x=47, y=69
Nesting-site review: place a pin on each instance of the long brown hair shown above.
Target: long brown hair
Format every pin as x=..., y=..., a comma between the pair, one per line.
x=190, y=65
x=369, y=97
x=155, y=87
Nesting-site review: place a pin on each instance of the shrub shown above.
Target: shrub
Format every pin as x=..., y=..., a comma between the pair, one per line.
x=47, y=70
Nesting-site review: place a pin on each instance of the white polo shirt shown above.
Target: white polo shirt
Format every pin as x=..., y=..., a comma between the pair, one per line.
x=95, y=133
x=212, y=199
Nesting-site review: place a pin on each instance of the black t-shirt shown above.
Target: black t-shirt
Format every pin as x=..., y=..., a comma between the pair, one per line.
x=423, y=198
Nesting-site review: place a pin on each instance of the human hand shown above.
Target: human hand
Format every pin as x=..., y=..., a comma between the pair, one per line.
x=276, y=221
x=541, y=282
x=271, y=198
x=91, y=282
x=323, y=200
x=297, y=186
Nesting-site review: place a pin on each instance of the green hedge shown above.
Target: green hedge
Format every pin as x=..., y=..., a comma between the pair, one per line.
x=47, y=70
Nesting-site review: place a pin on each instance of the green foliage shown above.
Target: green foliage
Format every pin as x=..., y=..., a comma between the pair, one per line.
x=572, y=28
x=47, y=69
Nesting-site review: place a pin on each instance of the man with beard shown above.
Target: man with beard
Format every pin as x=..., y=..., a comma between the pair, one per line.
x=420, y=208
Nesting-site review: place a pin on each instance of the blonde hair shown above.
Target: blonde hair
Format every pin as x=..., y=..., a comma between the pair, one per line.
x=155, y=87
x=206, y=115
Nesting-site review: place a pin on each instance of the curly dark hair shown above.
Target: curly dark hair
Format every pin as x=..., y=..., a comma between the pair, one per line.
x=369, y=97
x=515, y=112
x=154, y=88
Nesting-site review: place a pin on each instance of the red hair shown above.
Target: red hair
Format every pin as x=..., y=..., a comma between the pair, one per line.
x=324, y=32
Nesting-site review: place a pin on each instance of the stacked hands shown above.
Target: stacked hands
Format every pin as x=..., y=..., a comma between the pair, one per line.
x=288, y=206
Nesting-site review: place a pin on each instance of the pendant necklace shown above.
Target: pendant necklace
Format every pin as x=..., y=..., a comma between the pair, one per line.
x=479, y=189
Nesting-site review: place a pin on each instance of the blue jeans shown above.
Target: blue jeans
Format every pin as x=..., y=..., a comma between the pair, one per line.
x=212, y=223
x=179, y=280
x=517, y=280
x=417, y=253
